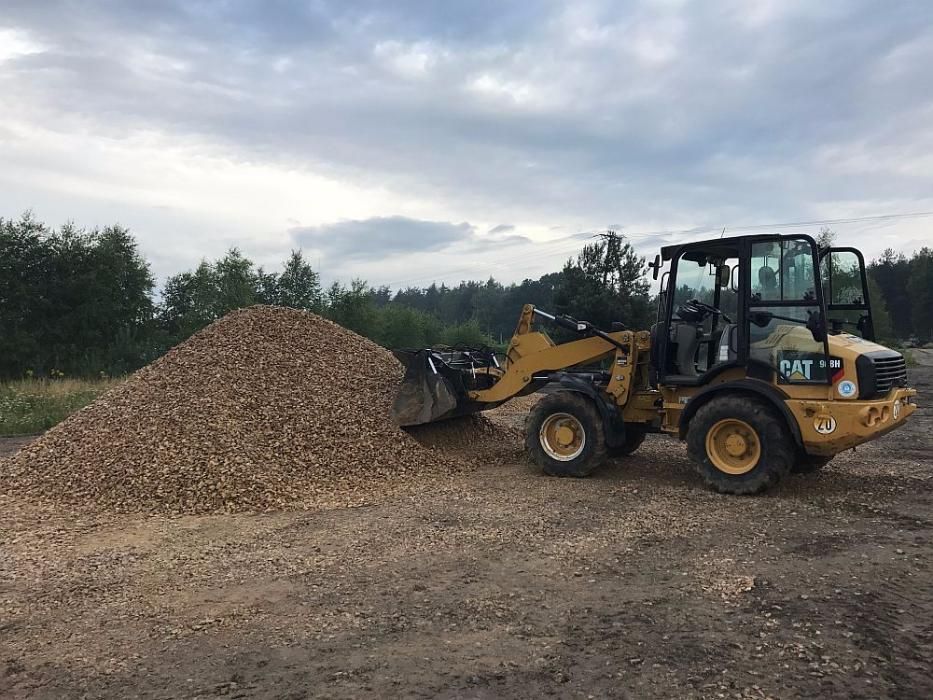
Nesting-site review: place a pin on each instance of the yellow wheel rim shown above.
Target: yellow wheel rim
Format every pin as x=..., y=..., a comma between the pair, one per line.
x=562, y=437
x=733, y=446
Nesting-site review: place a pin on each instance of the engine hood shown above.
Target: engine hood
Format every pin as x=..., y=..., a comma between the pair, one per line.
x=852, y=344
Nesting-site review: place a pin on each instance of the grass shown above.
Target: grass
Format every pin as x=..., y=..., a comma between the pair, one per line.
x=29, y=406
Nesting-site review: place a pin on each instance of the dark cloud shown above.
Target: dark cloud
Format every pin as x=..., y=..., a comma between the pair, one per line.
x=381, y=237
x=373, y=239
x=501, y=228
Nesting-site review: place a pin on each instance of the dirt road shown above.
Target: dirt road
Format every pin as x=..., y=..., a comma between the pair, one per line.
x=498, y=583
x=923, y=356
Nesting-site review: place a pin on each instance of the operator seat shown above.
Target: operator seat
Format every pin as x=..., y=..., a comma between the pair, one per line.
x=687, y=337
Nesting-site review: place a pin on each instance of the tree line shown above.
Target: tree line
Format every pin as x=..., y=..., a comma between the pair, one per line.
x=84, y=302
x=906, y=289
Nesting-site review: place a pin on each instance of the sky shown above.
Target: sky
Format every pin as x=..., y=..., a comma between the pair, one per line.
x=415, y=141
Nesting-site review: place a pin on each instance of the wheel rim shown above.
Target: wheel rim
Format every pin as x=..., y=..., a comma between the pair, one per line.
x=562, y=437
x=733, y=446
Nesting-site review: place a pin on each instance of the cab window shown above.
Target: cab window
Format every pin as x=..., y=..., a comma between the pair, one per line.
x=701, y=330
x=783, y=271
x=845, y=279
x=844, y=288
x=694, y=281
x=783, y=298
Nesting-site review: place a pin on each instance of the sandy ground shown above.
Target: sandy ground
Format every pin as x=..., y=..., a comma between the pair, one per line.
x=634, y=583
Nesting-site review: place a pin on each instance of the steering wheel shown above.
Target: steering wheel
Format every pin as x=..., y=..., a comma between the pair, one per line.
x=708, y=308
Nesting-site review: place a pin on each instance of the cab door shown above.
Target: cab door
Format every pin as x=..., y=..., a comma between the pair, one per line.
x=845, y=289
x=783, y=299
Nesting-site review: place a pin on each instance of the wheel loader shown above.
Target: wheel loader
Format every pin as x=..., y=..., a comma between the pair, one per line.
x=762, y=360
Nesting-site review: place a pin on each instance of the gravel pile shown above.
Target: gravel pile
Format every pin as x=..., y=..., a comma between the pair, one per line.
x=477, y=438
x=266, y=408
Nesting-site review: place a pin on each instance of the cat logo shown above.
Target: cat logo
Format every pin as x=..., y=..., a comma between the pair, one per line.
x=824, y=424
x=796, y=369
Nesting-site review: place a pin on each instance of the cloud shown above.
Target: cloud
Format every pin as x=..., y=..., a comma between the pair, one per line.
x=485, y=243
x=386, y=122
x=16, y=44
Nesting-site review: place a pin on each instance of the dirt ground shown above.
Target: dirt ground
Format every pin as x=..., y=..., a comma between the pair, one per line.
x=634, y=583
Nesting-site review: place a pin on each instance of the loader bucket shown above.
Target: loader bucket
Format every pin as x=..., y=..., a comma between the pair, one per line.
x=428, y=392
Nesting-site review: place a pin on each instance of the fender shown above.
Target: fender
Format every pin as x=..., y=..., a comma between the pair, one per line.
x=565, y=381
x=769, y=392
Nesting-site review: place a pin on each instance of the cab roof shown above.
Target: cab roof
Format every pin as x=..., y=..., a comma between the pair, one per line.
x=725, y=247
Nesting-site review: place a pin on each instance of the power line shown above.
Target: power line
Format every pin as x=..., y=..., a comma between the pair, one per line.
x=560, y=244
x=786, y=224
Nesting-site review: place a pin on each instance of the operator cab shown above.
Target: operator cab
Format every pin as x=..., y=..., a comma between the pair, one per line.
x=756, y=302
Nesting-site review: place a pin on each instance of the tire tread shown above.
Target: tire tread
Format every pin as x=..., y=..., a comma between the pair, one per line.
x=583, y=408
x=779, y=451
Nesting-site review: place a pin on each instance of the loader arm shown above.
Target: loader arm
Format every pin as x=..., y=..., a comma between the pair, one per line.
x=532, y=352
x=542, y=358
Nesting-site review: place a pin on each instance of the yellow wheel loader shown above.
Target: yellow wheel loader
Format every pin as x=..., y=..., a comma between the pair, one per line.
x=762, y=359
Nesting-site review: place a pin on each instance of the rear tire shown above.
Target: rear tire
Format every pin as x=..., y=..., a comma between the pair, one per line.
x=634, y=437
x=740, y=445
x=564, y=435
x=809, y=464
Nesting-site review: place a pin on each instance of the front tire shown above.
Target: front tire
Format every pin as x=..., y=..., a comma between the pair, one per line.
x=564, y=435
x=740, y=445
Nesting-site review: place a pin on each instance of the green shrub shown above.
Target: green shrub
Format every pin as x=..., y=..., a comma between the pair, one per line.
x=30, y=406
x=468, y=333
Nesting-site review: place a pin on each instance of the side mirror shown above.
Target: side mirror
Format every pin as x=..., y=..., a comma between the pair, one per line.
x=816, y=326
x=723, y=275
x=866, y=327
x=655, y=266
